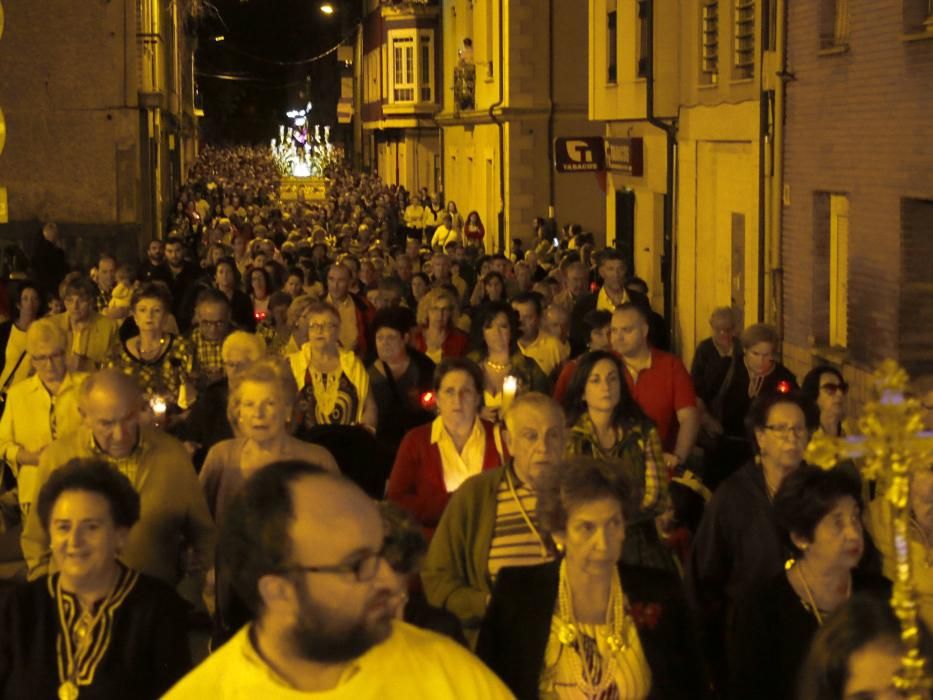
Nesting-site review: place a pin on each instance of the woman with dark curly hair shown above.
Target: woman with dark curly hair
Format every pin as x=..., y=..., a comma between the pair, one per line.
x=94, y=628
x=161, y=362
x=586, y=624
x=606, y=423
x=857, y=654
x=819, y=513
x=495, y=343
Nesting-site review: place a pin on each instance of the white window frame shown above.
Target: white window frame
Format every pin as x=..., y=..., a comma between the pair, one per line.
x=409, y=82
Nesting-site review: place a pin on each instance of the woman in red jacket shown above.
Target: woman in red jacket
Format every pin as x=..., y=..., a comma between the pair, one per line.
x=473, y=231
x=434, y=459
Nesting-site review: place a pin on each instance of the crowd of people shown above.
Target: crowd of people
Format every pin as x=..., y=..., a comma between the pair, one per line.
x=383, y=462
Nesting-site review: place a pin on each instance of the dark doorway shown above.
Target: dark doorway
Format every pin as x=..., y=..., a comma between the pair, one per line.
x=625, y=227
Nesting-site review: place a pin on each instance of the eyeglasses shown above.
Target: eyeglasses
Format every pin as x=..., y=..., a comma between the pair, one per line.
x=41, y=359
x=211, y=324
x=784, y=431
x=363, y=569
x=317, y=327
x=832, y=388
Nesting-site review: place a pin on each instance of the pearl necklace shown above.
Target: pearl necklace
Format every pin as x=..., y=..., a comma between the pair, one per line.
x=569, y=634
x=495, y=366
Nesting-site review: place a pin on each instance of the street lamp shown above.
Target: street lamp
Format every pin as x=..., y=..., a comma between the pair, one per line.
x=327, y=8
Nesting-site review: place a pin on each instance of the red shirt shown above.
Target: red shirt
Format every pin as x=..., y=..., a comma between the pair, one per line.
x=454, y=345
x=662, y=390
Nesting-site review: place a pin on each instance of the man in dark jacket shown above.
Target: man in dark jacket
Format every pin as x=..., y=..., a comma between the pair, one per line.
x=613, y=270
x=48, y=260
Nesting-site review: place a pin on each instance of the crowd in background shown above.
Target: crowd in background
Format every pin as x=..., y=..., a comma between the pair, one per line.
x=185, y=437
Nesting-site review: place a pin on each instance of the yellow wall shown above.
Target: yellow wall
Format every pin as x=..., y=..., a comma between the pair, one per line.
x=717, y=181
x=625, y=99
x=471, y=177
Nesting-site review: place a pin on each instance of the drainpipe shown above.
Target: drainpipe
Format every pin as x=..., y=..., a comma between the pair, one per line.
x=765, y=104
x=551, y=113
x=780, y=106
x=498, y=122
x=670, y=131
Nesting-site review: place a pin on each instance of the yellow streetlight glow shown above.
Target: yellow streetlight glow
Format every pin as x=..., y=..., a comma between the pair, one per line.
x=327, y=8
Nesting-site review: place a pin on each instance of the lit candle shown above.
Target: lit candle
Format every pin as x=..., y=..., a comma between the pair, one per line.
x=509, y=387
x=159, y=407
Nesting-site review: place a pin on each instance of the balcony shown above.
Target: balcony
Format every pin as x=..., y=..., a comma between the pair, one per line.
x=465, y=87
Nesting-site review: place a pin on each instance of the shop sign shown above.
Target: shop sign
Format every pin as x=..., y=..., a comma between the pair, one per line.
x=580, y=154
x=626, y=155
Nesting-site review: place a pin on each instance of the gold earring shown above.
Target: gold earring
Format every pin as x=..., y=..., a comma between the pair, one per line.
x=559, y=547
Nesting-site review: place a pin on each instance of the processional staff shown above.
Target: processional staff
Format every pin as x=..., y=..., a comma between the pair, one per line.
x=888, y=446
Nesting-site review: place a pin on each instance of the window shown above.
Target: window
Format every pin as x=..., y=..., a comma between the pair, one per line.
x=834, y=24
x=403, y=66
x=412, y=67
x=612, y=45
x=915, y=332
x=641, y=57
x=426, y=68
x=709, y=42
x=743, y=41
x=831, y=269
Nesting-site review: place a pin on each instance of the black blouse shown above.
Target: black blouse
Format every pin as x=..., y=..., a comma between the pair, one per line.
x=146, y=641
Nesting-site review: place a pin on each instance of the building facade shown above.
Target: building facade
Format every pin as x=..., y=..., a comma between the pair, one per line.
x=400, y=86
x=515, y=77
x=858, y=196
x=692, y=89
x=98, y=101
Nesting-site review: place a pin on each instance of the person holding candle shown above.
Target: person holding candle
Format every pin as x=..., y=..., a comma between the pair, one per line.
x=95, y=628
x=433, y=460
x=606, y=423
x=497, y=353
x=161, y=362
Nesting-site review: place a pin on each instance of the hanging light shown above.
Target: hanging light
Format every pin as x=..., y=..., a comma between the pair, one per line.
x=327, y=8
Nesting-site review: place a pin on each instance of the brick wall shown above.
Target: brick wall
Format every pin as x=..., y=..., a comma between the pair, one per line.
x=858, y=123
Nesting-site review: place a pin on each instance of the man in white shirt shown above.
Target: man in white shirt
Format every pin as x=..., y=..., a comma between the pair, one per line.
x=535, y=344
x=305, y=548
x=444, y=234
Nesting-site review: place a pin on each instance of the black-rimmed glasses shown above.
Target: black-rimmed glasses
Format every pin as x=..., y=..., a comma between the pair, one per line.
x=363, y=569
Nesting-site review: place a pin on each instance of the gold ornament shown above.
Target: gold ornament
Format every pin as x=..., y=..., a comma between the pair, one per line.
x=567, y=633
x=888, y=446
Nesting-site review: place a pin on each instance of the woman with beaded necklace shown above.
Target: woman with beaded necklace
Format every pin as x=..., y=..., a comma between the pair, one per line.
x=586, y=626
x=819, y=513
x=495, y=337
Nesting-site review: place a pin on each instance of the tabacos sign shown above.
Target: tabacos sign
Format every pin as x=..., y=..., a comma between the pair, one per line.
x=579, y=154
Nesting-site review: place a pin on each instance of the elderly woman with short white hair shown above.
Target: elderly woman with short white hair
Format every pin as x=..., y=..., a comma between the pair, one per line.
x=205, y=426
x=262, y=400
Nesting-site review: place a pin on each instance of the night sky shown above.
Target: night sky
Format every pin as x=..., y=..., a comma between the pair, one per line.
x=259, y=37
